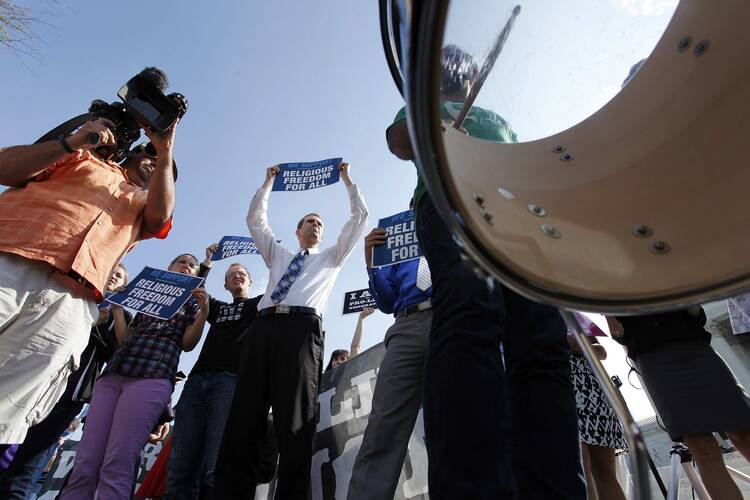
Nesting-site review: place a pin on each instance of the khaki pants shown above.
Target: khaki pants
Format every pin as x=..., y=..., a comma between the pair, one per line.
x=44, y=327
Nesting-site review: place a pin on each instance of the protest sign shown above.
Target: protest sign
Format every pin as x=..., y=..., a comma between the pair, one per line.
x=401, y=240
x=309, y=175
x=357, y=300
x=234, y=245
x=157, y=293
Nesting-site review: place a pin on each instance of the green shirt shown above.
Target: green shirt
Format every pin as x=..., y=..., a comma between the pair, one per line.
x=479, y=123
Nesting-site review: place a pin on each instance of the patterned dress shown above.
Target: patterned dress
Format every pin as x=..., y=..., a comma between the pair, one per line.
x=597, y=423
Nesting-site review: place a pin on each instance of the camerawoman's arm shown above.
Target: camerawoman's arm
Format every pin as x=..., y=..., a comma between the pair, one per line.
x=161, y=191
x=20, y=164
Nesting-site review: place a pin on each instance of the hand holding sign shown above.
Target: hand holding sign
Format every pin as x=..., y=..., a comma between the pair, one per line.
x=376, y=237
x=401, y=240
x=202, y=296
x=210, y=251
x=308, y=175
x=157, y=293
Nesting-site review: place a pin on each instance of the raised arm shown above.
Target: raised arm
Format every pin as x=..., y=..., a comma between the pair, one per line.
x=195, y=329
x=205, y=266
x=20, y=164
x=353, y=228
x=257, y=218
x=357, y=339
x=121, y=325
x=161, y=190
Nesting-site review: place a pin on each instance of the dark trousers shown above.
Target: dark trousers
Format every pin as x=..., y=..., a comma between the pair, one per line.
x=493, y=433
x=201, y=413
x=31, y=457
x=280, y=368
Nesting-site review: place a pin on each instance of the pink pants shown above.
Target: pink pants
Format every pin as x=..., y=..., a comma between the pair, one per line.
x=124, y=411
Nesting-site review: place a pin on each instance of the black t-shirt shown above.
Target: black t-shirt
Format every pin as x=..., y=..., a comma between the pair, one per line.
x=223, y=346
x=648, y=332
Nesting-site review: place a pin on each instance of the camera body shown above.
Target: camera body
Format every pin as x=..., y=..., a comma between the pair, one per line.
x=143, y=105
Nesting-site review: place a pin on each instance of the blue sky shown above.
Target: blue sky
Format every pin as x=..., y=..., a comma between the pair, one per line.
x=268, y=82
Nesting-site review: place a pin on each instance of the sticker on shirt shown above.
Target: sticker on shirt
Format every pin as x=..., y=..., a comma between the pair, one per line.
x=401, y=240
x=306, y=176
x=157, y=293
x=358, y=300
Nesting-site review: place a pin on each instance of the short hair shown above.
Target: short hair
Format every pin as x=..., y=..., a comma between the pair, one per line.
x=182, y=255
x=125, y=269
x=335, y=354
x=302, y=220
x=233, y=264
x=156, y=77
x=458, y=68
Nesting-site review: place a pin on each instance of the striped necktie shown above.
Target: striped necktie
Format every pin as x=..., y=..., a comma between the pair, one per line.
x=289, y=277
x=424, y=278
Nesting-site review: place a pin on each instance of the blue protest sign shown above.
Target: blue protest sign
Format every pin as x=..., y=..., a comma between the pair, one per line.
x=157, y=293
x=234, y=245
x=401, y=240
x=309, y=175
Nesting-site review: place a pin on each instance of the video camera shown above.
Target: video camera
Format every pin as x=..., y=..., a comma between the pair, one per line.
x=143, y=105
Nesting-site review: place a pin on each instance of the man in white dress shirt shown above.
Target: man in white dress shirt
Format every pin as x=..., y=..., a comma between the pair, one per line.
x=282, y=359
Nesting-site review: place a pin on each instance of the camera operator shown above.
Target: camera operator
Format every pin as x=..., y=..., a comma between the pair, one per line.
x=67, y=220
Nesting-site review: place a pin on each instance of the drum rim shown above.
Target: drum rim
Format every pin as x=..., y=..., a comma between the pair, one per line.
x=422, y=96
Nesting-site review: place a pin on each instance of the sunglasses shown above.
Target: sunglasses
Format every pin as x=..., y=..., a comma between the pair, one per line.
x=148, y=149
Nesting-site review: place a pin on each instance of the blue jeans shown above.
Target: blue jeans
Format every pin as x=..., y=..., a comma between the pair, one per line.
x=492, y=432
x=199, y=424
x=19, y=481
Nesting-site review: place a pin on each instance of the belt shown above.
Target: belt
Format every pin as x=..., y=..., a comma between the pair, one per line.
x=285, y=309
x=81, y=283
x=422, y=306
x=79, y=279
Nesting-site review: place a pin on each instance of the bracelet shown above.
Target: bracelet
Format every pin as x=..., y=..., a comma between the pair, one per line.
x=65, y=144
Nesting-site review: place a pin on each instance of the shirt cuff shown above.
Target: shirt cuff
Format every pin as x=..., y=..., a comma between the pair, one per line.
x=160, y=234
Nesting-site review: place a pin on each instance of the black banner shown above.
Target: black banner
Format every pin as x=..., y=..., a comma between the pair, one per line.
x=357, y=300
x=345, y=402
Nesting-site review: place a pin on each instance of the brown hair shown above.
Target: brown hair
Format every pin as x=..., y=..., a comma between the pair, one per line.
x=125, y=269
x=181, y=255
x=302, y=220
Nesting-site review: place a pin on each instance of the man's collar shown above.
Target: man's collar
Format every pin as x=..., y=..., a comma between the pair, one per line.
x=313, y=250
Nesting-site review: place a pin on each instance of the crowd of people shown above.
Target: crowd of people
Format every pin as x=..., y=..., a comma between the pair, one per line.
x=530, y=421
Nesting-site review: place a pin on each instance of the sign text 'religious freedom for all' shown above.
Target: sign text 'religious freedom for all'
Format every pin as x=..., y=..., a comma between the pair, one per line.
x=401, y=240
x=230, y=246
x=157, y=293
x=357, y=300
x=305, y=176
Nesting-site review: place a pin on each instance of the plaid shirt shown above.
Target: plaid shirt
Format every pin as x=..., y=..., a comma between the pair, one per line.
x=153, y=348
